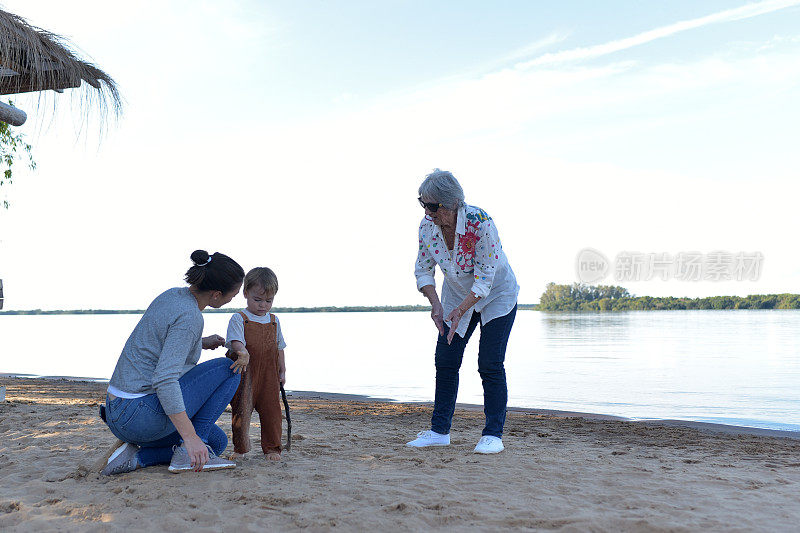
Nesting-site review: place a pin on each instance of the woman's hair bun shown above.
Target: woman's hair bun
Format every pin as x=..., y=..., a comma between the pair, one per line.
x=222, y=274
x=199, y=257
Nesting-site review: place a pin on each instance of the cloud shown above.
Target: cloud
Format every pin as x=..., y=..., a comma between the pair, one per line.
x=532, y=48
x=591, y=52
x=501, y=98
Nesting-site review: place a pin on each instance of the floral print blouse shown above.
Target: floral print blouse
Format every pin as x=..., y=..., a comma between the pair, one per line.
x=477, y=263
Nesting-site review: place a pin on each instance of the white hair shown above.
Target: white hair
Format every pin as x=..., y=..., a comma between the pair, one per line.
x=442, y=187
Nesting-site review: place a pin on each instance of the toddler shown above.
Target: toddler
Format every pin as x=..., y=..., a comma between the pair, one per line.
x=256, y=344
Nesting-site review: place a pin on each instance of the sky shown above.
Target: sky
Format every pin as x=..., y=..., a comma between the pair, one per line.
x=295, y=135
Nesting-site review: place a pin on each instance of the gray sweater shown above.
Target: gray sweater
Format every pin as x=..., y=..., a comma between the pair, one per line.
x=164, y=345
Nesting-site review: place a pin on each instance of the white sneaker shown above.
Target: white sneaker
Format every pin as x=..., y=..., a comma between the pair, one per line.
x=489, y=444
x=429, y=438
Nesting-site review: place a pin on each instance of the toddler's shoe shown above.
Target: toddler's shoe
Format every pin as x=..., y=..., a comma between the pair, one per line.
x=122, y=460
x=489, y=444
x=181, y=462
x=429, y=438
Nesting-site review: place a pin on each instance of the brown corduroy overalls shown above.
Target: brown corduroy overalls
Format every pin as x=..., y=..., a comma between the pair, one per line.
x=259, y=388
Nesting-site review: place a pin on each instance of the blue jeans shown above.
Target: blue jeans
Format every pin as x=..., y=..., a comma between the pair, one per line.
x=491, y=355
x=207, y=389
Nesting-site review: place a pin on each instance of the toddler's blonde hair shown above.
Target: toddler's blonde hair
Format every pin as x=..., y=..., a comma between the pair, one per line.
x=262, y=277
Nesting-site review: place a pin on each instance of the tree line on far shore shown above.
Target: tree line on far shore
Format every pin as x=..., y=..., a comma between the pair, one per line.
x=580, y=297
x=230, y=310
x=575, y=297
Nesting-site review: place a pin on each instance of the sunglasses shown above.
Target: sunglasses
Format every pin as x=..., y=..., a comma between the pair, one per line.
x=432, y=207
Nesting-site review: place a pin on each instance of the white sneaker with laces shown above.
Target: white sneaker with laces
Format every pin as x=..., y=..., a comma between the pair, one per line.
x=429, y=438
x=489, y=444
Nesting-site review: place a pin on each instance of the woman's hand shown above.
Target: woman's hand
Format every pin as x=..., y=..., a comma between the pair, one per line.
x=454, y=318
x=437, y=312
x=198, y=452
x=437, y=315
x=242, y=360
x=455, y=315
x=196, y=448
x=282, y=377
x=212, y=342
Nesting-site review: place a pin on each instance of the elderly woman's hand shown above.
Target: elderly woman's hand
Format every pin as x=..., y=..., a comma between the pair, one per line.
x=437, y=315
x=456, y=314
x=454, y=318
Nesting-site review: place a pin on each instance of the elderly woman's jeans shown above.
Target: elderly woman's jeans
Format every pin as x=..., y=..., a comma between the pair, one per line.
x=491, y=355
x=207, y=390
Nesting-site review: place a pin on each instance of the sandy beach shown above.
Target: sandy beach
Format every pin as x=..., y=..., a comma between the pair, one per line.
x=349, y=470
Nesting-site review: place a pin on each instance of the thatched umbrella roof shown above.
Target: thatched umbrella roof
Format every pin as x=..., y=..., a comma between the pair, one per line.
x=33, y=59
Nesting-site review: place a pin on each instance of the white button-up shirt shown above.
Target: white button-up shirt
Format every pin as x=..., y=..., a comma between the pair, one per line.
x=477, y=263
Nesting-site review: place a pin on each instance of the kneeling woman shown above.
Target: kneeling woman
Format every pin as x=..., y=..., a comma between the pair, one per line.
x=161, y=403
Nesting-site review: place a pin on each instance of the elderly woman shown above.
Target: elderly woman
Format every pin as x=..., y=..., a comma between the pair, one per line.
x=479, y=288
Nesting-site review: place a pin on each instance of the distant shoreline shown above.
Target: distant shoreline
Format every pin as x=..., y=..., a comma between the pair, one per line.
x=229, y=310
x=556, y=298
x=350, y=309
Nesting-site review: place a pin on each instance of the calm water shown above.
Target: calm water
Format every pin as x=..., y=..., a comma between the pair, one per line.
x=735, y=367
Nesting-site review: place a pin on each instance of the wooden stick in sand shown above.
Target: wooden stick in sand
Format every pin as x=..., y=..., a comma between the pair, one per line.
x=288, y=420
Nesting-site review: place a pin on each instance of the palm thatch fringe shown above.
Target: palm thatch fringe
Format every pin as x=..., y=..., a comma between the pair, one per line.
x=33, y=59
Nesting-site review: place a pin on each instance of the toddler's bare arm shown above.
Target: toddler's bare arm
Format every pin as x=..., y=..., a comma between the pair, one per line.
x=281, y=367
